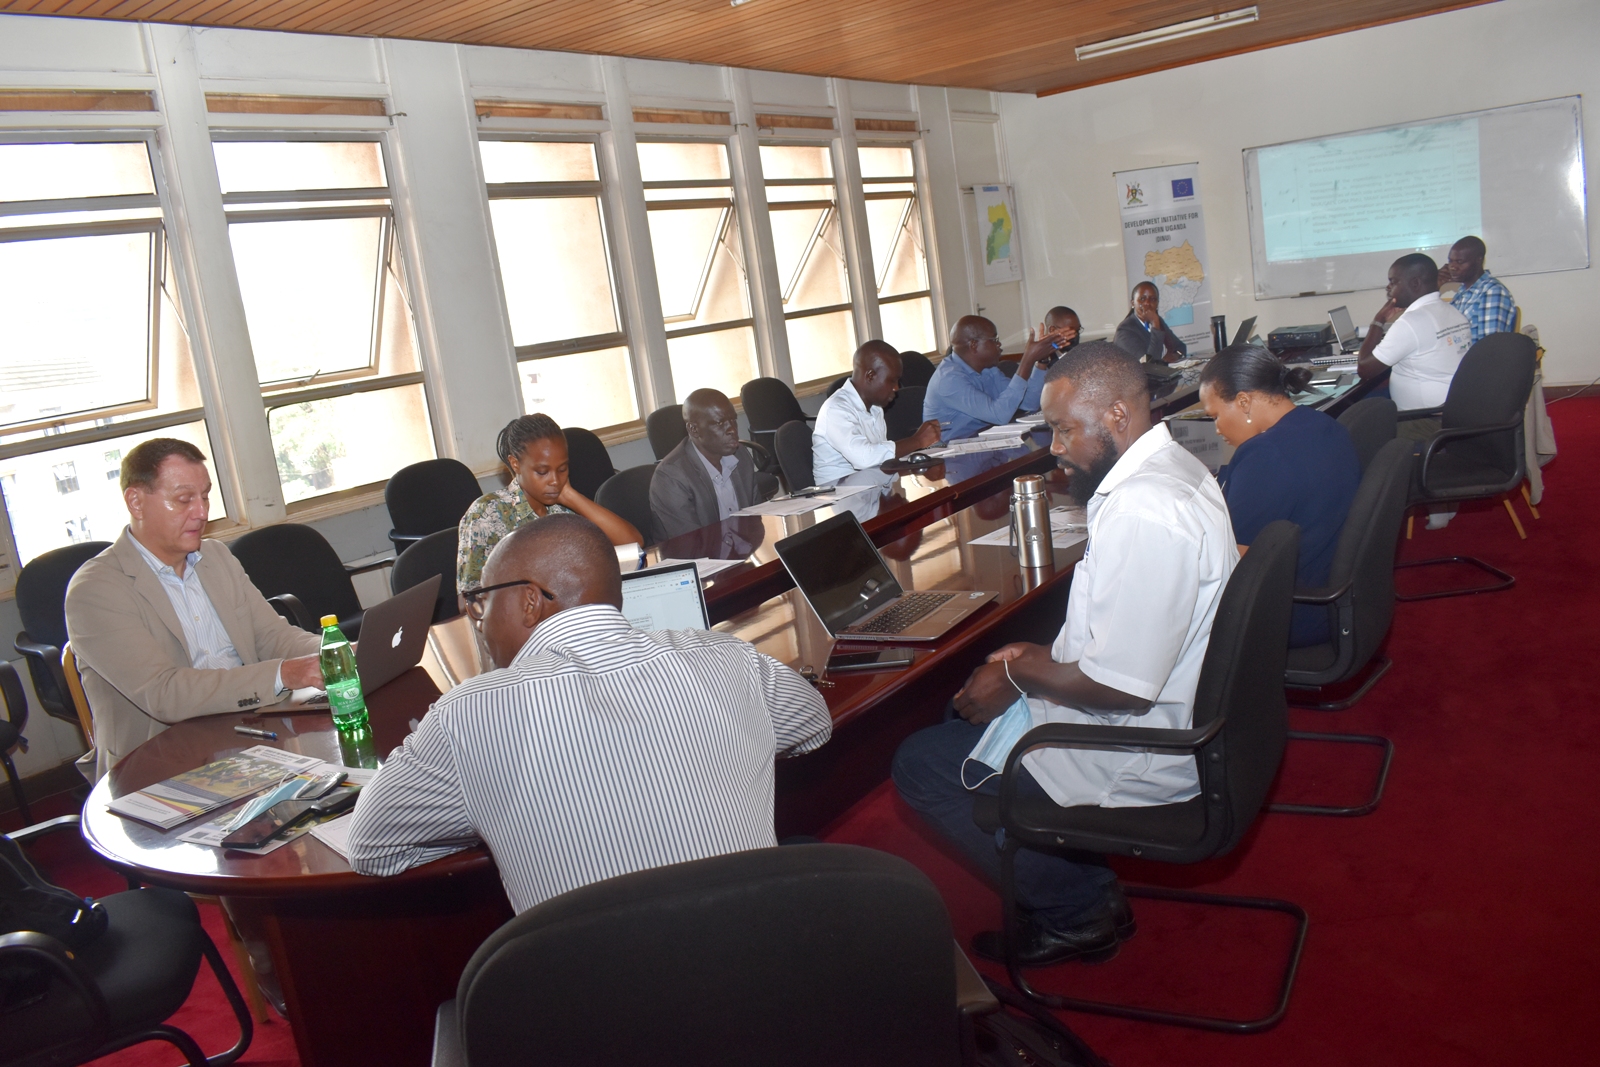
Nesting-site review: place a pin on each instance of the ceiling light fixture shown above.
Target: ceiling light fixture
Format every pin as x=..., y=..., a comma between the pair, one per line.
x=1177, y=30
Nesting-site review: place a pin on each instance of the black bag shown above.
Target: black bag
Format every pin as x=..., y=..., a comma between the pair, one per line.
x=1029, y=1036
x=28, y=902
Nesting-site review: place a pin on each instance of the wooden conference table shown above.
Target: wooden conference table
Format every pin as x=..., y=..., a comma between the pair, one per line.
x=361, y=963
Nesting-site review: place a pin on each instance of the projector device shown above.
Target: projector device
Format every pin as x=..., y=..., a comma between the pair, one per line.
x=1291, y=337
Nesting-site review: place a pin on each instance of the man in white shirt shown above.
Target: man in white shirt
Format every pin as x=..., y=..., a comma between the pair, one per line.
x=850, y=434
x=595, y=749
x=1418, y=336
x=1129, y=653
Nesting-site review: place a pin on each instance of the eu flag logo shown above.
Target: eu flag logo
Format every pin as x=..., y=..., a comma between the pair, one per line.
x=1182, y=187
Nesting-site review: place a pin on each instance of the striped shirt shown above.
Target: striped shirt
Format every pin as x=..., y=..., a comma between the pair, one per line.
x=210, y=647
x=599, y=751
x=1488, y=306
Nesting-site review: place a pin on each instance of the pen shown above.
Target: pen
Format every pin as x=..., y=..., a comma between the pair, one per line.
x=248, y=731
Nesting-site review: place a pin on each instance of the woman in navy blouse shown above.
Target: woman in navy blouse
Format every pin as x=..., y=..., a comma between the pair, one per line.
x=1289, y=462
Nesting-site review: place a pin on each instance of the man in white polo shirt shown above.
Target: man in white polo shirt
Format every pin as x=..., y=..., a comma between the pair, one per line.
x=1129, y=653
x=851, y=434
x=1418, y=336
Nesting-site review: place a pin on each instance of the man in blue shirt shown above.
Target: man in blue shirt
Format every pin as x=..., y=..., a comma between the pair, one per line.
x=1482, y=298
x=968, y=390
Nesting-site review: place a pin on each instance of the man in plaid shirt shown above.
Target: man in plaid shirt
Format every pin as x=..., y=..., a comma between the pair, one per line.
x=1482, y=298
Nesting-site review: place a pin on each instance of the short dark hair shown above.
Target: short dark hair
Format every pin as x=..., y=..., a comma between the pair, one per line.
x=524, y=431
x=1252, y=369
x=1419, y=267
x=142, y=464
x=1100, y=369
x=1474, y=243
x=1060, y=311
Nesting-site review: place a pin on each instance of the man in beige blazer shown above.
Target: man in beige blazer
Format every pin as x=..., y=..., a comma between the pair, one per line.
x=165, y=623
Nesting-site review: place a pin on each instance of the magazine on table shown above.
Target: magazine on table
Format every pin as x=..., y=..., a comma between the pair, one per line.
x=194, y=793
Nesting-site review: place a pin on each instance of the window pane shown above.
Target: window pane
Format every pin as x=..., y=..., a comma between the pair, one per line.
x=588, y=389
x=820, y=346
x=699, y=272
x=885, y=162
x=538, y=161
x=245, y=166
x=74, y=494
x=674, y=161
x=908, y=325
x=895, y=230
x=553, y=266
x=324, y=446
x=308, y=289
x=811, y=263
x=724, y=360
x=74, y=325
x=796, y=161
x=67, y=171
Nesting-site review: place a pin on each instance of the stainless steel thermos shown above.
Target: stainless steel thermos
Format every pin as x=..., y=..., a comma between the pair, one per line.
x=1030, y=522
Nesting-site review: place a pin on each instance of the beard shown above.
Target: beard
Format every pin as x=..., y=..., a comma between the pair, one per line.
x=1085, y=480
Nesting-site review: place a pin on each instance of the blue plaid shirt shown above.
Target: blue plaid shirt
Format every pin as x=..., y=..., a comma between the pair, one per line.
x=1488, y=306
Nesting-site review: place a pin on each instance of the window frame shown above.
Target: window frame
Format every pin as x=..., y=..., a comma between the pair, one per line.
x=915, y=206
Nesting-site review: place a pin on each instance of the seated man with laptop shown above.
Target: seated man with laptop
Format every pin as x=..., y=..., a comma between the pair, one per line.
x=1129, y=653
x=165, y=623
x=595, y=749
x=851, y=433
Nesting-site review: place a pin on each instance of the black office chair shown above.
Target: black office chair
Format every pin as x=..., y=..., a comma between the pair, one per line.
x=588, y=462
x=1371, y=425
x=1478, y=451
x=70, y=1006
x=666, y=429
x=627, y=493
x=428, y=496
x=915, y=369
x=768, y=404
x=41, y=593
x=1009, y=367
x=785, y=957
x=11, y=728
x=793, y=441
x=434, y=554
x=1240, y=727
x=292, y=559
x=837, y=384
x=903, y=417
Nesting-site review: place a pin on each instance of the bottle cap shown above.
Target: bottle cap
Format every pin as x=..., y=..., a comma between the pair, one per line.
x=329, y=620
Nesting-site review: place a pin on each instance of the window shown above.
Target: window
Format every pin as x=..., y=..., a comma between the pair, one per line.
x=555, y=269
x=323, y=284
x=803, y=203
x=899, y=257
x=700, y=269
x=93, y=352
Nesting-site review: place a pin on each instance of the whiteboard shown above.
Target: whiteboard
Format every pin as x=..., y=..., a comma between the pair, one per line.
x=1330, y=214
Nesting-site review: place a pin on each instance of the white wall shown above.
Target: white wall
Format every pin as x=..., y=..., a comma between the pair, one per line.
x=1063, y=150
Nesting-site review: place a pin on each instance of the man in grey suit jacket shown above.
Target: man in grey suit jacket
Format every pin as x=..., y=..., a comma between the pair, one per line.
x=709, y=476
x=1143, y=333
x=165, y=624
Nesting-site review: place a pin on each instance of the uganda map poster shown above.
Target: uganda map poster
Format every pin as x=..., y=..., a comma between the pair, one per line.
x=1164, y=242
x=1002, y=258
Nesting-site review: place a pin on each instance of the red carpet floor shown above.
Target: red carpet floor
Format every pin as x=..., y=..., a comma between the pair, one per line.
x=1456, y=925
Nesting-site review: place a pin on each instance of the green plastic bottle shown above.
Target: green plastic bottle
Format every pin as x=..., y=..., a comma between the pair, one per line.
x=340, y=678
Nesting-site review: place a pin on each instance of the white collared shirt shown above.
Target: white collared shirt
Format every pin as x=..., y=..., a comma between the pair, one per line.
x=721, y=480
x=1424, y=346
x=1159, y=553
x=210, y=647
x=848, y=437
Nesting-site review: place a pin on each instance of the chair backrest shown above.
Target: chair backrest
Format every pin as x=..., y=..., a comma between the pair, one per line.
x=1242, y=679
x=1009, y=367
x=434, y=554
x=291, y=558
x=837, y=384
x=431, y=495
x=666, y=429
x=904, y=415
x=769, y=403
x=1491, y=388
x=13, y=696
x=588, y=462
x=785, y=957
x=42, y=589
x=915, y=369
x=793, y=443
x=80, y=699
x=1366, y=548
x=1371, y=424
x=627, y=493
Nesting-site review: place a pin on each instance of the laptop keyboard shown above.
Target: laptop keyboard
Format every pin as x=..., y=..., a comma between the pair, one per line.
x=909, y=609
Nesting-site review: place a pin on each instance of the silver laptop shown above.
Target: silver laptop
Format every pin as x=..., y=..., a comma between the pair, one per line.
x=394, y=633
x=844, y=579
x=1344, y=330
x=665, y=598
x=1243, y=335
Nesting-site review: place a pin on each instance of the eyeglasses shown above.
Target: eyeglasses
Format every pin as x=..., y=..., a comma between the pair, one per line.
x=475, y=597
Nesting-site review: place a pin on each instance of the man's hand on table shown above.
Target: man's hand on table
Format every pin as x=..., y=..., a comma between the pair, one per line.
x=304, y=672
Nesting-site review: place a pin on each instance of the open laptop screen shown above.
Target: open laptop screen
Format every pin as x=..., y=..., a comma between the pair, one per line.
x=664, y=598
x=1344, y=328
x=839, y=571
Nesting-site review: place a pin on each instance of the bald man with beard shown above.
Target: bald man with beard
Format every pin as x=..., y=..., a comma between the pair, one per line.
x=593, y=749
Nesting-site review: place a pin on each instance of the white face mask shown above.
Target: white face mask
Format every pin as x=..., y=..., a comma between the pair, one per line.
x=998, y=740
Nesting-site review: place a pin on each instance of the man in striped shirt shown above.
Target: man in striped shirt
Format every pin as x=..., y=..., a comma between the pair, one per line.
x=596, y=749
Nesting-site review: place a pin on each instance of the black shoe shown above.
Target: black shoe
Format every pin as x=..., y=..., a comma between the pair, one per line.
x=1121, y=914
x=1093, y=940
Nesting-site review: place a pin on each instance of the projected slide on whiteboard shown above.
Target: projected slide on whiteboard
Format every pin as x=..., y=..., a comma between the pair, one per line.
x=1330, y=214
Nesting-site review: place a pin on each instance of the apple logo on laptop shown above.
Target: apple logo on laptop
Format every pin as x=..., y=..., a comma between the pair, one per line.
x=395, y=641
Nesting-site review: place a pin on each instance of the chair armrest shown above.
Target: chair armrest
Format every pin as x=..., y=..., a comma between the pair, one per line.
x=294, y=613
x=1307, y=596
x=1418, y=413
x=39, y=829
x=49, y=655
x=42, y=948
x=1445, y=436
x=447, y=1050
x=387, y=561
x=1080, y=735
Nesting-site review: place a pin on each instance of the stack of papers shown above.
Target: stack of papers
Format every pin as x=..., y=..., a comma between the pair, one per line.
x=194, y=793
x=1068, y=526
x=800, y=505
x=976, y=444
x=1010, y=429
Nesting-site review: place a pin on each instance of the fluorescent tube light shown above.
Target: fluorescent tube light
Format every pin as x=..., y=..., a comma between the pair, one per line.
x=1177, y=30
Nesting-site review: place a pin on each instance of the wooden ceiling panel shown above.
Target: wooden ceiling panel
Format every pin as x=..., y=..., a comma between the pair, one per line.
x=1007, y=45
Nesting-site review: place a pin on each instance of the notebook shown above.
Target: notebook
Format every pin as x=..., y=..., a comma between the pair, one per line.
x=665, y=598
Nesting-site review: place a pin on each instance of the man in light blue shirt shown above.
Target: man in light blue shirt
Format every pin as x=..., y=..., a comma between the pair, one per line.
x=968, y=391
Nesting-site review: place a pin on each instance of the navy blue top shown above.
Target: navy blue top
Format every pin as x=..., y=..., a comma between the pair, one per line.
x=1305, y=469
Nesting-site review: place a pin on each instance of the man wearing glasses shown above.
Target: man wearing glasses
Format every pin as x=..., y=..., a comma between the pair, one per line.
x=710, y=475
x=968, y=391
x=595, y=749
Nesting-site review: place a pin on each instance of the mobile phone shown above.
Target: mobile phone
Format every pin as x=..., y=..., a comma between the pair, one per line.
x=890, y=659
